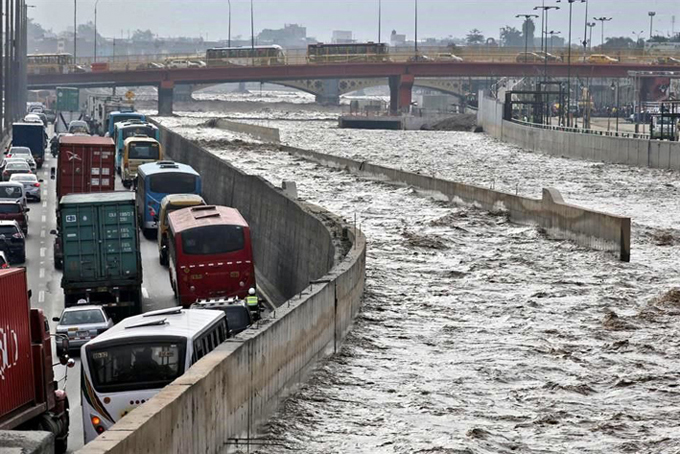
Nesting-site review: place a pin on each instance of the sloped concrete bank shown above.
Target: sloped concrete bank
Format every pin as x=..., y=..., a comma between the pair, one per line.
x=314, y=260
x=587, y=227
x=656, y=154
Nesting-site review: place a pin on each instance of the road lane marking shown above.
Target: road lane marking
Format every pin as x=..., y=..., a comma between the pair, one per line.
x=42, y=234
x=41, y=296
x=42, y=251
x=145, y=293
x=44, y=218
x=42, y=273
x=44, y=204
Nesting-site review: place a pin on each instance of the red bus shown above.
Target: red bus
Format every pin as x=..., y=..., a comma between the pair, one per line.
x=210, y=253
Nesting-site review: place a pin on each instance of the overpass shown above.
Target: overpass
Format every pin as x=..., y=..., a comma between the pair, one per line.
x=401, y=75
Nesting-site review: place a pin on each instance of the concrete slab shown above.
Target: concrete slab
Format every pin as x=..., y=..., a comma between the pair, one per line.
x=25, y=442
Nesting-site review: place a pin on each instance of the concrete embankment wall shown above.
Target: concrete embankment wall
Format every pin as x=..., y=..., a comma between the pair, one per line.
x=231, y=390
x=587, y=227
x=259, y=132
x=594, y=147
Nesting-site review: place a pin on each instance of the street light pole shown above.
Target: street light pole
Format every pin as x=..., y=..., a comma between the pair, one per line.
x=651, y=22
x=526, y=35
x=379, y=20
x=416, y=29
x=252, y=29
x=229, y=38
x=591, y=25
x=602, y=21
x=571, y=4
x=552, y=34
x=95, y=30
x=75, y=30
x=585, y=34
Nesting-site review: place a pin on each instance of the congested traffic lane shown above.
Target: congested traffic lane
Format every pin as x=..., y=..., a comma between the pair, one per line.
x=45, y=282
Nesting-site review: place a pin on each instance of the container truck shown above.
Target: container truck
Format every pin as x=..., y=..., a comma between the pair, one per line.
x=86, y=164
x=68, y=108
x=33, y=136
x=101, y=258
x=30, y=398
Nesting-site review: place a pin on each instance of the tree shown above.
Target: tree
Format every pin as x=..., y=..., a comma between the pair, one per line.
x=510, y=36
x=143, y=36
x=35, y=31
x=620, y=42
x=658, y=39
x=474, y=37
x=86, y=31
x=528, y=30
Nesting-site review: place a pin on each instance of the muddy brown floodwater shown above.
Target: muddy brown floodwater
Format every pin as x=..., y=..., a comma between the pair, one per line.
x=478, y=335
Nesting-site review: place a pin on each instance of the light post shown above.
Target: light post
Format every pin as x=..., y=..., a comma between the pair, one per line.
x=651, y=15
x=637, y=35
x=602, y=21
x=229, y=37
x=546, y=10
x=379, y=19
x=75, y=31
x=552, y=35
x=524, y=31
x=252, y=29
x=571, y=4
x=95, y=29
x=585, y=34
x=416, y=29
x=591, y=25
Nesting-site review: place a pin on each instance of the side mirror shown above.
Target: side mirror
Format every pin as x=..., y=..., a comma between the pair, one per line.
x=53, y=173
x=27, y=210
x=53, y=232
x=30, y=293
x=6, y=151
x=55, y=319
x=41, y=181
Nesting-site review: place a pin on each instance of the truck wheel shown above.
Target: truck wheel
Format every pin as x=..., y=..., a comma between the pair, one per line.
x=127, y=184
x=149, y=234
x=39, y=165
x=58, y=264
x=163, y=258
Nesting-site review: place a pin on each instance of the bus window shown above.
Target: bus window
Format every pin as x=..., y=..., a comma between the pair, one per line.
x=213, y=239
x=144, y=151
x=136, y=366
x=172, y=183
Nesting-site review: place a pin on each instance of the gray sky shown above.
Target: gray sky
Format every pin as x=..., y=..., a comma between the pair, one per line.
x=437, y=18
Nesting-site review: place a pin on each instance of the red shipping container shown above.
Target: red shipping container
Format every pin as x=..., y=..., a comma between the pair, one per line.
x=86, y=164
x=99, y=66
x=17, y=387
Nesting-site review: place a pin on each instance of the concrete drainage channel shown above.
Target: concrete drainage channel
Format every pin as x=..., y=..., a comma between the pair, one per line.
x=318, y=265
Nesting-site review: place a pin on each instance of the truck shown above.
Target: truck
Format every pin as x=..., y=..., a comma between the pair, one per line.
x=33, y=136
x=86, y=164
x=101, y=258
x=68, y=108
x=99, y=108
x=30, y=398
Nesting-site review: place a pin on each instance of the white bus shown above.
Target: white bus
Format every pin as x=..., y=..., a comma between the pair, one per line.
x=131, y=362
x=245, y=56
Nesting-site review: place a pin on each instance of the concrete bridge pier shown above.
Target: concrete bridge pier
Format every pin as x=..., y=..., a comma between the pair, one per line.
x=401, y=92
x=329, y=93
x=166, y=93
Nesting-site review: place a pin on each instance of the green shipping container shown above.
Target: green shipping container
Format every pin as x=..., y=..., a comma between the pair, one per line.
x=68, y=99
x=100, y=242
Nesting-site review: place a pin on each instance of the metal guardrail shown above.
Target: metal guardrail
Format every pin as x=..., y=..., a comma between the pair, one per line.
x=593, y=132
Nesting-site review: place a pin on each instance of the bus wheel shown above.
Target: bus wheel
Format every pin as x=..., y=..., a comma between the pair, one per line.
x=127, y=184
x=149, y=234
x=163, y=257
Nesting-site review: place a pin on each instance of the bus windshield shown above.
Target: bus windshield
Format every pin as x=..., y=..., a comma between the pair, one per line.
x=136, y=365
x=213, y=239
x=143, y=150
x=173, y=183
x=138, y=131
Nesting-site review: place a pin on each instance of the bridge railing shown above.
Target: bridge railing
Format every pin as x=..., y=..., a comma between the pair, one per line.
x=595, y=132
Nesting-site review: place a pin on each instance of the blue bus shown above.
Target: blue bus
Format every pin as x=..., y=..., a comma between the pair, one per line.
x=122, y=131
x=155, y=180
x=117, y=117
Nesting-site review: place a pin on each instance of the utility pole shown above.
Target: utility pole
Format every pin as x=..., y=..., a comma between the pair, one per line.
x=651, y=15
x=524, y=31
x=416, y=29
x=229, y=40
x=252, y=28
x=75, y=31
x=571, y=4
x=602, y=21
x=379, y=20
x=95, y=30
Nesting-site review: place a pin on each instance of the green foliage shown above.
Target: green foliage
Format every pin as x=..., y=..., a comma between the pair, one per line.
x=474, y=37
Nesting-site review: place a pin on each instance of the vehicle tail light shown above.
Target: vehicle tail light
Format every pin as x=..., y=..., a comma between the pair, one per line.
x=152, y=212
x=4, y=266
x=36, y=185
x=96, y=421
x=17, y=235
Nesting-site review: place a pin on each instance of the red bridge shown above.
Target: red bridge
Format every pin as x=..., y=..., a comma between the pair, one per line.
x=400, y=75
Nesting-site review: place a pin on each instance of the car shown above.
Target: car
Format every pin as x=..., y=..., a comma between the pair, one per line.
x=4, y=263
x=197, y=64
x=12, y=242
x=78, y=127
x=13, y=191
x=601, y=59
x=33, y=118
x=14, y=167
x=177, y=64
x=23, y=153
x=43, y=118
x=31, y=185
x=239, y=317
x=548, y=56
x=448, y=57
x=150, y=65
x=15, y=211
x=666, y=61
x=529, y=57
x=81, y=324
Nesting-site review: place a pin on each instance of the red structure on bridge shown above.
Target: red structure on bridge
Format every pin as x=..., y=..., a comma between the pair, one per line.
x=400, y=75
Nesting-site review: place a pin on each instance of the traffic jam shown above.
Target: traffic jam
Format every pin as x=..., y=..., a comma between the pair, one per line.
x=115, y=189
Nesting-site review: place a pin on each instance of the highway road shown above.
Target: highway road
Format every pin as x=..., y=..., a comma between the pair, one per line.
x=45, y=282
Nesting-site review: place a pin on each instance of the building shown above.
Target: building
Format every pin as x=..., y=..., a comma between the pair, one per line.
x=397, y=39
x=342, y=37
x=291, y=35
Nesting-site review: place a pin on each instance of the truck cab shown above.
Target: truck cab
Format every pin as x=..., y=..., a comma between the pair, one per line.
x=33, y=136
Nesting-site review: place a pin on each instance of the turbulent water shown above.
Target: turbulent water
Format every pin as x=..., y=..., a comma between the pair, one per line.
x=478, y=335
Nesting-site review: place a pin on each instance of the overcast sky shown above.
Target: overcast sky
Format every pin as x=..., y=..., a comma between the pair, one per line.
x=437, y=18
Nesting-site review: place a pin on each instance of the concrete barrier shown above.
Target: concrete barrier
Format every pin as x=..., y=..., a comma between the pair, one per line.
x=587, y=227
x=26, y=442
x=259, y=132
x=316, y=262
x=637, y=152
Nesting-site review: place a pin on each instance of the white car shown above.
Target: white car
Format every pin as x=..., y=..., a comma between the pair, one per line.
x=13, y=191
x=31, y=184
x=81, y=324
x=177, y=64
x=33, y=118
x=23, y=153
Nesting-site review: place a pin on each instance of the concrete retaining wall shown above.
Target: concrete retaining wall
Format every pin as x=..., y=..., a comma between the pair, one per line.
x=587, y=227
x=231, y=390
x=616, y=150
x=26, y=442
x=259, y=132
